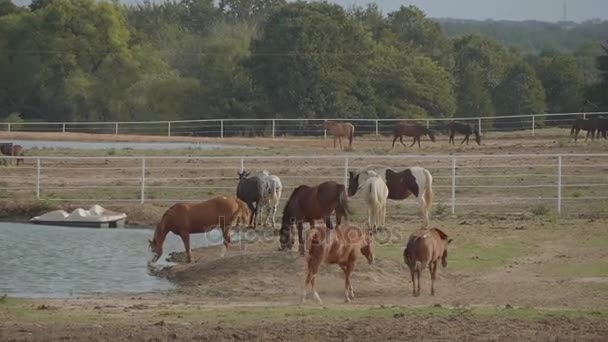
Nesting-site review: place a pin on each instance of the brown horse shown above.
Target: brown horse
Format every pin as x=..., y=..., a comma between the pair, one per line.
x=339, y=130
x=9, y=149
x=462, y=128
x=307, y=204
x=341, y=247
x=411, y=130
x=184, y=219
x=425, y=248
x=589, y=125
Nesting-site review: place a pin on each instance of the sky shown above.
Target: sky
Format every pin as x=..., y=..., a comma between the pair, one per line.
x=542, y=10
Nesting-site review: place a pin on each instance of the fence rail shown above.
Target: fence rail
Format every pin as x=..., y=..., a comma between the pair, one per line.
x=221, y=128
x=490, y=183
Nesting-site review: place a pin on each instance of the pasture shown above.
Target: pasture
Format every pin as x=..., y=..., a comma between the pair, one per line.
x=516, y=269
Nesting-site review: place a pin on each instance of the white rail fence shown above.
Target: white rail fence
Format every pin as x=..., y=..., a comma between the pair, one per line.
x=489, y=183
x=220, y=128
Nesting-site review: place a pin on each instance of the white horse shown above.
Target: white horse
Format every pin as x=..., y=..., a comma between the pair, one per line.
x=375, y=193
x=415, y=180
x=270, y=191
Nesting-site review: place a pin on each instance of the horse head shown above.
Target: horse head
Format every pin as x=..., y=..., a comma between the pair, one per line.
x=156, y=250
x=367, y=248
x=243, y=174
x=431, y=135
x=353, y=183
x=477, y=136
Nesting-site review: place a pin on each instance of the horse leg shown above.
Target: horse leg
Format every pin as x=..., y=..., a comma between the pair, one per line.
x=413, y=142
x=451, y=139
x=466, y=138
x=418, y=142
x=186, y=239
x=340, y=141
x=306, y=282
x=300, y=237
x=418, y=280
x=314, y=289
x=413, y=275
x=394, y=139
x=226, y=236
x=348, y=271
x=334, y=142
x=423, y=210
x=433, y=269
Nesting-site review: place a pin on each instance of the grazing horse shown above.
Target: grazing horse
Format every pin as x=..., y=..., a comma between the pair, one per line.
x=9, y=149
x=184, y=219
x=414, y=180
x=339, y=130
x=411, y=130
x=307, y=204
x=341, y=247
x=248, y=191
x=425, y=248
x=462, y=128
x=589, y=125
x=270, y=192
x=375, y=194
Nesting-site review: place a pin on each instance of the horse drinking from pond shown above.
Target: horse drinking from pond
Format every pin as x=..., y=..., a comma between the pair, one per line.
x=184, y=219
x=10, y=149
x=414, y=180
x=411, y=130
x=340, y=246
x=375, y=193
x=589, y=125
x=425, y=248
x=339, y=130
x=270, y=195
x=462, y=128
x=248, y=191
x=307, y=204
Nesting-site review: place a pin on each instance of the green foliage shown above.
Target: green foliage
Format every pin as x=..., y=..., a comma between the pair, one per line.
x=521, y=92
x=563, y=83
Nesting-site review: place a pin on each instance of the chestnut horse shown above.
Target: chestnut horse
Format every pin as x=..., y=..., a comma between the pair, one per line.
x=462, y=128
x=341, y=247
x=184, y=219
x=9, y=149
x=411, y=130
x=307, y=204
x=414, y=180
x=339, y=130
x=425, y=248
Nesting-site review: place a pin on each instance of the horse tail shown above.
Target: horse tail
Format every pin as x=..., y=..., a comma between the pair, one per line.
x=351, y=136
x=343, y=201
x=428, y=190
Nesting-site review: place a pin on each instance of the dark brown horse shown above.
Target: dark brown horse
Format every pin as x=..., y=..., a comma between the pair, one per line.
x=602, y=127
x=341, y=247
x=462, y=128
x=307, y=204
x=339, y=130
x=248, y=191
x=184, y=219
x=411, y=130
x=589, y=125
x=9, y=149
x=424, y=249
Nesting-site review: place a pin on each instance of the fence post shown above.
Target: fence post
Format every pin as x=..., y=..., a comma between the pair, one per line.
x=584, y=117
x=9, y=127
x=221, y=128
x=273, y=126
x=427, y=124
x=324, y=134
x=376, y=127
x=346, y=171
x=559, y=184
x=168, y=128
x=479, y=125
x=116, y=128
x=37, y=178
x=242, y=164
x=143, y=181
x=63, y=128
x=453, y=185
x=533, y=124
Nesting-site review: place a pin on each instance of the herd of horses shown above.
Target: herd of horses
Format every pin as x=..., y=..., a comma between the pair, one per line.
x=594, y=127
x=259, y=195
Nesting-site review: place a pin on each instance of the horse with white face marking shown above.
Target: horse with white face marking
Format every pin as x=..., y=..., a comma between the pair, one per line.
x=375, y=193
x=270, y=192
x=414, y=180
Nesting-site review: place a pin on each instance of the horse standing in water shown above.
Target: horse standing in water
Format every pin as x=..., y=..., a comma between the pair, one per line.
x=184, y=219
x=589, y=125
x=425, y=248
x=339, y=130
x=414, y=180
x=375, y=193
x=340, y=246
x=248, y=191
x=411, y=130
x=270, y=195
x=462, y=128
x=307, y=204
x=10, y=149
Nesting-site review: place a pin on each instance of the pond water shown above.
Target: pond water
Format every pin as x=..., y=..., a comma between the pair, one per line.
x=102, y=145
x=51, y=261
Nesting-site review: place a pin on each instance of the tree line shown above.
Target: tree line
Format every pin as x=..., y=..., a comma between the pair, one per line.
x=84, y=60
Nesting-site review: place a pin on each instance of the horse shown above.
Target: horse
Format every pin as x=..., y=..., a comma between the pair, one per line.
x=425, y=248
x=339, y=130
x=248, y=191
x=411, y=130
x=375, y=192
x=602, y=127
x=589, y=125
x=184, y=219
x=307, y=204
x=414, y=180
x=462, y=128
x=270, y=192
x=10, y=149
x=341, y=247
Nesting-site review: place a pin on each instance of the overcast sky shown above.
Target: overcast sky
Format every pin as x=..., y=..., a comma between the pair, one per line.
x=543, y=10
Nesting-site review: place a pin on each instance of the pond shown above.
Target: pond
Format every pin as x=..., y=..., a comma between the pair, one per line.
x=105, y=145
x=51, y=261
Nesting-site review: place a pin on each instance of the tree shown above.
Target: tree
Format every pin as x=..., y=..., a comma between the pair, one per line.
x=563, y=83
x=249, y=10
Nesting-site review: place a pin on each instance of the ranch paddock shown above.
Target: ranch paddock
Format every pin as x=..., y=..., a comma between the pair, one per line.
x=515, y=271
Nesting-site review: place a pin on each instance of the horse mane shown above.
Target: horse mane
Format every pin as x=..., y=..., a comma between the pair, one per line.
x=442, y=235
x=291, y=197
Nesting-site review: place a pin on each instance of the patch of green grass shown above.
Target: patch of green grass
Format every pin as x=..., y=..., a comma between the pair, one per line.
x=578, y=269
x=475, y=257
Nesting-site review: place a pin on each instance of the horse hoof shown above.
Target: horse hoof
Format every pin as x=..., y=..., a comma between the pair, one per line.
x=347, y=300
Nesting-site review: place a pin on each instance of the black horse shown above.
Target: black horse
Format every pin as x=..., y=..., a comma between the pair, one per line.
x=589, y=125
x=602, y=127
x=248, y=191
x=462, y=128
